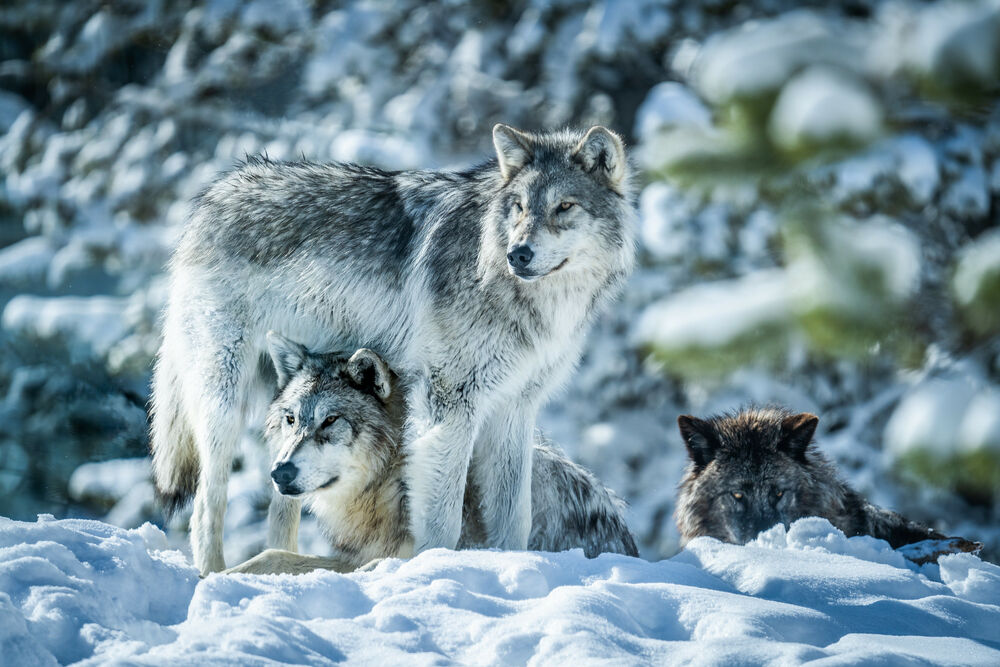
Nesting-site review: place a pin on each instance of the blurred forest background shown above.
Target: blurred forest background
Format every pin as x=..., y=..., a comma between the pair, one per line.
x=819, y=207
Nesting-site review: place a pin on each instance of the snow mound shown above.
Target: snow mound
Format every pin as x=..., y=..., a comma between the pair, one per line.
x=73, y=590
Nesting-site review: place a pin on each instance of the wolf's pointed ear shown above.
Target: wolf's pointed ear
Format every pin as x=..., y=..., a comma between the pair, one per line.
x=287, y=355
x=699, y=438
x=602, y=151
x=513, y=149
x=370, y=374
x=797, y=434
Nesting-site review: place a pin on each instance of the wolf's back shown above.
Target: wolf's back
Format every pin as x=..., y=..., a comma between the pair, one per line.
x=175, y=458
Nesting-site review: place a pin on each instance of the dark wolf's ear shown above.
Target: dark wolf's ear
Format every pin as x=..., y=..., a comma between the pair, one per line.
x=601, y=150
x=699, y=438
x=370, y=374
x=287, y=355
x=797, y=434
x=513, y=149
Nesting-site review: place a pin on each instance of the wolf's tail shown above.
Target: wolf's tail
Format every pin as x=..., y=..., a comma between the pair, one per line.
x=175, y=457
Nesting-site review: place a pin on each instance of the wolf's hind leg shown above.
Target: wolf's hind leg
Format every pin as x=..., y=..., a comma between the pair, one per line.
x=501, y=471
x=283, y=517
x=219, y=424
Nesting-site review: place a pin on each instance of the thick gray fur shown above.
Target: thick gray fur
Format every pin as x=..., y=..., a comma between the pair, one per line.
x=759, y=453
x=414, y=265
x=340, y=417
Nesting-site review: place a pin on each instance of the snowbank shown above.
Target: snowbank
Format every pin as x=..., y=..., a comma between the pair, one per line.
x=81, y=590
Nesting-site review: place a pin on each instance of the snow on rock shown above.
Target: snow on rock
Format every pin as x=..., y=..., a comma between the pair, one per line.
x=945, y=416
x=957, y=42
x=95, y=323
x=78, y=590
x=977, y=281
x=821, y=106
x=670, y=104
x=26, y=260
x=758, y=57
x=107, y=481
x=714, y=314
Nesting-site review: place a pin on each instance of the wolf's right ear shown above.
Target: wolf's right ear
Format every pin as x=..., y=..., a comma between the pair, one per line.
x=699, y=438
x=369, y=373
x=287, y=355
x=513, y=149
x=602, y=151
x=797, y=433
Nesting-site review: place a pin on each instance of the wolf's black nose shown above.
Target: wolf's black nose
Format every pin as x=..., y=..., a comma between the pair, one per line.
x=520, y=256
x=284, y=474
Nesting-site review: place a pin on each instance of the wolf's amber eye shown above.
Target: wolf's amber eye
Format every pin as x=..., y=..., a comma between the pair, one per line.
x=290, y=419
x=328, y=421
x=565, y=206
x=779, y=493
x=737, y=495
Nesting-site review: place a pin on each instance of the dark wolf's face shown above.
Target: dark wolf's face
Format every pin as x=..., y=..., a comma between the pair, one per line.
x=327, y=425
x=564, y=205
x=747, y=472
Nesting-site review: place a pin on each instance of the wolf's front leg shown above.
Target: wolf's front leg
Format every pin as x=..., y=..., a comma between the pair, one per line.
x=501, y=471
x=283, y=517
x=439, y=440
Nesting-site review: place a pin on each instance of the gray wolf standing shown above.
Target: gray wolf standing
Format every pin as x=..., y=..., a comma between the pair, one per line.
x=480, y=285
x=758, y=467
x=335, y=433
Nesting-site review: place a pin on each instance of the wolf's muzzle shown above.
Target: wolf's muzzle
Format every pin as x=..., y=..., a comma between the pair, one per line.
x=520, y=256
x=283, y=476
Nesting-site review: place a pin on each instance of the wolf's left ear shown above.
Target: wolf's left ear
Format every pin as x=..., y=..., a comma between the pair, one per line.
x=287, y=355
x=513, y=149
x=370, y=374
x=602, y=151
x=699, y=438
x=797, y=433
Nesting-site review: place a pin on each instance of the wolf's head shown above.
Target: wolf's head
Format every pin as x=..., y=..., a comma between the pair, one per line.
x=747, y=472
x=565, y=204
x=331, y=425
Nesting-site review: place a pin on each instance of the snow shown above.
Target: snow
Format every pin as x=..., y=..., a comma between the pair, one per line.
x=98, y=169
x=91, y=323
x=823, y=105
x=759, y=57
x=714, y=314
x=670, y=104
x=75, y=590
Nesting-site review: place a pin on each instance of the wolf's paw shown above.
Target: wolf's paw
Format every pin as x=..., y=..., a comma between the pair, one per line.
x=370, y=565
x=928, y=551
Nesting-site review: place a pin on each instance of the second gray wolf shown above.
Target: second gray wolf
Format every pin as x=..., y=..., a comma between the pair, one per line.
x=334, y=431
x=758, y=467
x=479, y=285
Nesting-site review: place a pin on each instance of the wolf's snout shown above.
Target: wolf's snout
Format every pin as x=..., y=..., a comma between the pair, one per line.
x=520, y=256
x=284, y=474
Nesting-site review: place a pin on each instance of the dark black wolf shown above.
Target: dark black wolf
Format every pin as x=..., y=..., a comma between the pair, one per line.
x=758, y=467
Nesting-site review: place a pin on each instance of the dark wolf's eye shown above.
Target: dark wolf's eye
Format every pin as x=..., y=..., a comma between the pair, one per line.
x=779, y=493
x=517, y=208
x=737, y=495
x=328, y=421
x=290, y=418
x=564, y=206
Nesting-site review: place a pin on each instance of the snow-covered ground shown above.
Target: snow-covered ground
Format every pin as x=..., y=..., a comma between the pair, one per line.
x=78, y=591
x=880, y=314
